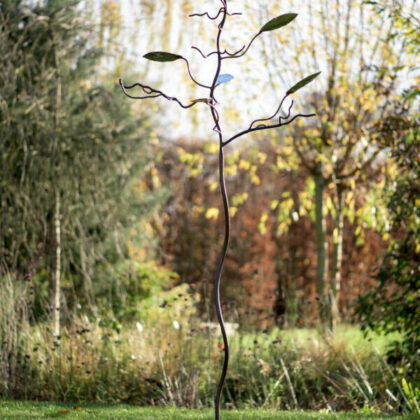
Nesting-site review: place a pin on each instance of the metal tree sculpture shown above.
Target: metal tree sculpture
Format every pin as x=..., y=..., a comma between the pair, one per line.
x=211, y=102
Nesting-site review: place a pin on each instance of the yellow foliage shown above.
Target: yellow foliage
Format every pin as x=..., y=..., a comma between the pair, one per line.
x=255, y=179
x=239, y=199
x=213, y=185
x=262, y=157
x=231, y=170
x=211, y=148
x=212, y=213
x=262, y=227
x=244, y=164
x=282, y=228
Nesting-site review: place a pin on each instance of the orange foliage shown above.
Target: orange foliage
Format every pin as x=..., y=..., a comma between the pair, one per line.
x=269, y=278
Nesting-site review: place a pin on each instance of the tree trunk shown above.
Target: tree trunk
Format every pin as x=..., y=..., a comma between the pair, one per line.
x=57, y=201
x=321, y=247
x=286, y=306
x=280, y=304
x=291, y=317
x=337, y=258
x=57, y=264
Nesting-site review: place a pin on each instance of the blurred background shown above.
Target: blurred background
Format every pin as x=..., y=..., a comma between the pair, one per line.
x=111, y=218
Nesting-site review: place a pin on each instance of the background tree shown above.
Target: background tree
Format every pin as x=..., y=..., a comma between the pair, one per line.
x=71, y=156
x=341, y=151
x=272, y=262
x=393, y=304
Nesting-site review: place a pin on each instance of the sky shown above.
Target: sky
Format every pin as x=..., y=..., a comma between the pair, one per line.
x=242, y=100
x=257, y=87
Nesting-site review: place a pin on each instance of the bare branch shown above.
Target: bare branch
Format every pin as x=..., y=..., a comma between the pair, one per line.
x=266, y=127
x=227, y=53
x=221, y=10
x=235, y=55
x=216, y=128
x=342, y=162
x=191, y=76
x=201, y=52
x=231, y=55
x=277, y=111
x=361, y=168
x=154, y=93
x=305, y=163
x=213, y=109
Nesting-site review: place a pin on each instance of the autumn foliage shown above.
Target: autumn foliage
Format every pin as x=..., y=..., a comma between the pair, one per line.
x=271, y=266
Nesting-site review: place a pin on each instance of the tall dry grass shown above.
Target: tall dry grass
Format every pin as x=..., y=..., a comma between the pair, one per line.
x=177, y=362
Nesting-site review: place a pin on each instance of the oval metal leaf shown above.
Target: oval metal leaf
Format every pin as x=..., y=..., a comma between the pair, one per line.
x=224, y=78
x=278, y=22
x=162, y=56
x=303, y=83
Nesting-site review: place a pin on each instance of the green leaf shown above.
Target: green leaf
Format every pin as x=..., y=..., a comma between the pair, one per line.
x=162, y=56
x=278, y=22
x=303, y=83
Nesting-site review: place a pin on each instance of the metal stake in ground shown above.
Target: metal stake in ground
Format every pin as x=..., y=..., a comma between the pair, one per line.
x=276, y=120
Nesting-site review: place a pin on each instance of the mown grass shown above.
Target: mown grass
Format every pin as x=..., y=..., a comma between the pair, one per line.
x=36, y=410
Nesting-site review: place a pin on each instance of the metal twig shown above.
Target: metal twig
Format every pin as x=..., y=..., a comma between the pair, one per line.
x=228, y=54
x=191, y=76
x=221, y=10
x=149, y=91
x=266, y=127
x=238, y=53
x=277, y=111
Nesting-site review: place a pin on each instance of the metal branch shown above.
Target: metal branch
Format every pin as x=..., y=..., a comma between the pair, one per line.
x=208, y=55
x=241, y=51
x=221, y=10
x=266, y=127
x=201, y=52
x=154, y=93
x=192, y=77
x=234, y=55
x=277, y=111
x=216, y=128
x=231, y=55
x=288, y=113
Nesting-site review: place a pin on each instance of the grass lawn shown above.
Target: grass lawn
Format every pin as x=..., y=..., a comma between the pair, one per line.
x=32, y=410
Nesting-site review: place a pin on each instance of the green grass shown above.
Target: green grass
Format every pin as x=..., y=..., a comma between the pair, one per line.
x=298, y=368
x=34, y=410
